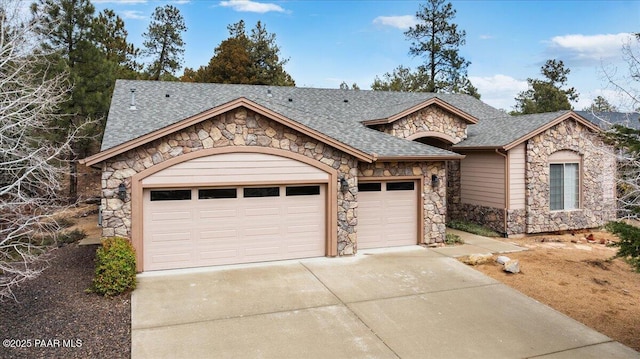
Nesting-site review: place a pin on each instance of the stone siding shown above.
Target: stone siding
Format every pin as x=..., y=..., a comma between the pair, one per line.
x=431, y=118
x=598, y=171
x=453, y=190
x=239, y=127
x=434, y=199
x=516, y=222
x=489, y=217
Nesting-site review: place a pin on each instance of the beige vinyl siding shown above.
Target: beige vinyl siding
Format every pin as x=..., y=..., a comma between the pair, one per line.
x=236, y=168
x=517, y=177
x=482, y=179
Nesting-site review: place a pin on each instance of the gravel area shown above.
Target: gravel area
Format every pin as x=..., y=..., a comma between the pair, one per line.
x=55, y=318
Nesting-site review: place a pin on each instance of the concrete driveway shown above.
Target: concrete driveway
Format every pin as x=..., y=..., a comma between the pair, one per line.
x=405, y=303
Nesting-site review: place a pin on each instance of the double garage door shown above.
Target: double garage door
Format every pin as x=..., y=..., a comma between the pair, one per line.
x=195, y=227
x=211, y=211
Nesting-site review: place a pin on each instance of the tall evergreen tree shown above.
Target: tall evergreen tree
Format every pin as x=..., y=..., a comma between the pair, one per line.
x=600, y=104
x=111, y=37
x=402, y=79
x=244, y=59
x=438, y=40
x=547, y=95
x=163, y=42
x=69, y=30
x=267, y=66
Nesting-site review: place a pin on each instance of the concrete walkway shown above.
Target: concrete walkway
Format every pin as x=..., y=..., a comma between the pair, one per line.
x=407, y=302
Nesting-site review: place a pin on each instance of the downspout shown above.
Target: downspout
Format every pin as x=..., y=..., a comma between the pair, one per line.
x=506, y=188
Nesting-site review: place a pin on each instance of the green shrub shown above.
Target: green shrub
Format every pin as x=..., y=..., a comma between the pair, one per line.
x=474, y=228
x=451, y=239
x=629, y=242
x=115, y=267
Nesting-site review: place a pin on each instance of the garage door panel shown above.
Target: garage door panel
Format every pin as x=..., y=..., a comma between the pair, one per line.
x=262, y=211
x=217, y=214
x=271, y=252
x=303, y=229
x=262, y=232
x=171, y=257
x=171, y=216
x=218, y=254
x=218, y=236
x=172, y=237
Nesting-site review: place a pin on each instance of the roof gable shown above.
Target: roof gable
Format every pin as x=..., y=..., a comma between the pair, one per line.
x=509, y=131
x=238, y=103
x=404, y=111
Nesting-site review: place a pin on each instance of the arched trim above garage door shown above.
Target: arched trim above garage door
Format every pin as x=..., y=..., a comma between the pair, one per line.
x=138, y=185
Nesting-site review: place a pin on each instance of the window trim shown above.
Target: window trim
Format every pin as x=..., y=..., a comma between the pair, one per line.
x=579, y=188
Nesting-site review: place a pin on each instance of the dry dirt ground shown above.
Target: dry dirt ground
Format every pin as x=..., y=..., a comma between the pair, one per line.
x=577, y=278
x=53, y=316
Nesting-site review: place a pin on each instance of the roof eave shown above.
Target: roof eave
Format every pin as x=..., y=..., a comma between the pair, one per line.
x=479, y=148
x=218, y=110
x=420, y=158
x=432, y=101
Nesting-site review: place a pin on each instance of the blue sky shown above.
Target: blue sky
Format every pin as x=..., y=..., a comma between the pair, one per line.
x=328, y=42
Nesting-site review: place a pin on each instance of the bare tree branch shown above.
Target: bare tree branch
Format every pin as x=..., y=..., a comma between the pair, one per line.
x=31, y=166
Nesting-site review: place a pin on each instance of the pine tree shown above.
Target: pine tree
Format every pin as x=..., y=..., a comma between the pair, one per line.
x=244, y=59
x=69, y=30
x=438, y=40
x=547, y=95
x=111, y=37
x=600, y=104
x=402, y=79
x=163, y=42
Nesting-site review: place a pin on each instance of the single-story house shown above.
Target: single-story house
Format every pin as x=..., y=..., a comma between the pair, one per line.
x=209, y=174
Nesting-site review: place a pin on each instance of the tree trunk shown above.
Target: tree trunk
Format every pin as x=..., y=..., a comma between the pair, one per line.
x=73, y=175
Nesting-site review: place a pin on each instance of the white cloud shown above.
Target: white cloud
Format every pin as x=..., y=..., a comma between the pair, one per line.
x=499, y=90
x=251, y=6
x=133, y=14
x=486, y=37
x=403, y=22
x=587, y=50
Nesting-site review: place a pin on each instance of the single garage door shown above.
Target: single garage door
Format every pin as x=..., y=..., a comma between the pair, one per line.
x=213, y=226
x=387, y=214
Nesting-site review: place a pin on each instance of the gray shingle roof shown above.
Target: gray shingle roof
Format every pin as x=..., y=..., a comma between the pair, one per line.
x=605, y=119
x=335, y=113
x=501, y=131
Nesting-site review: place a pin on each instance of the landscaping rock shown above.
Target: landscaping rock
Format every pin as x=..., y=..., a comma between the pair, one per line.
x=476, y=259
x=512, y=266
x=502, y=259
